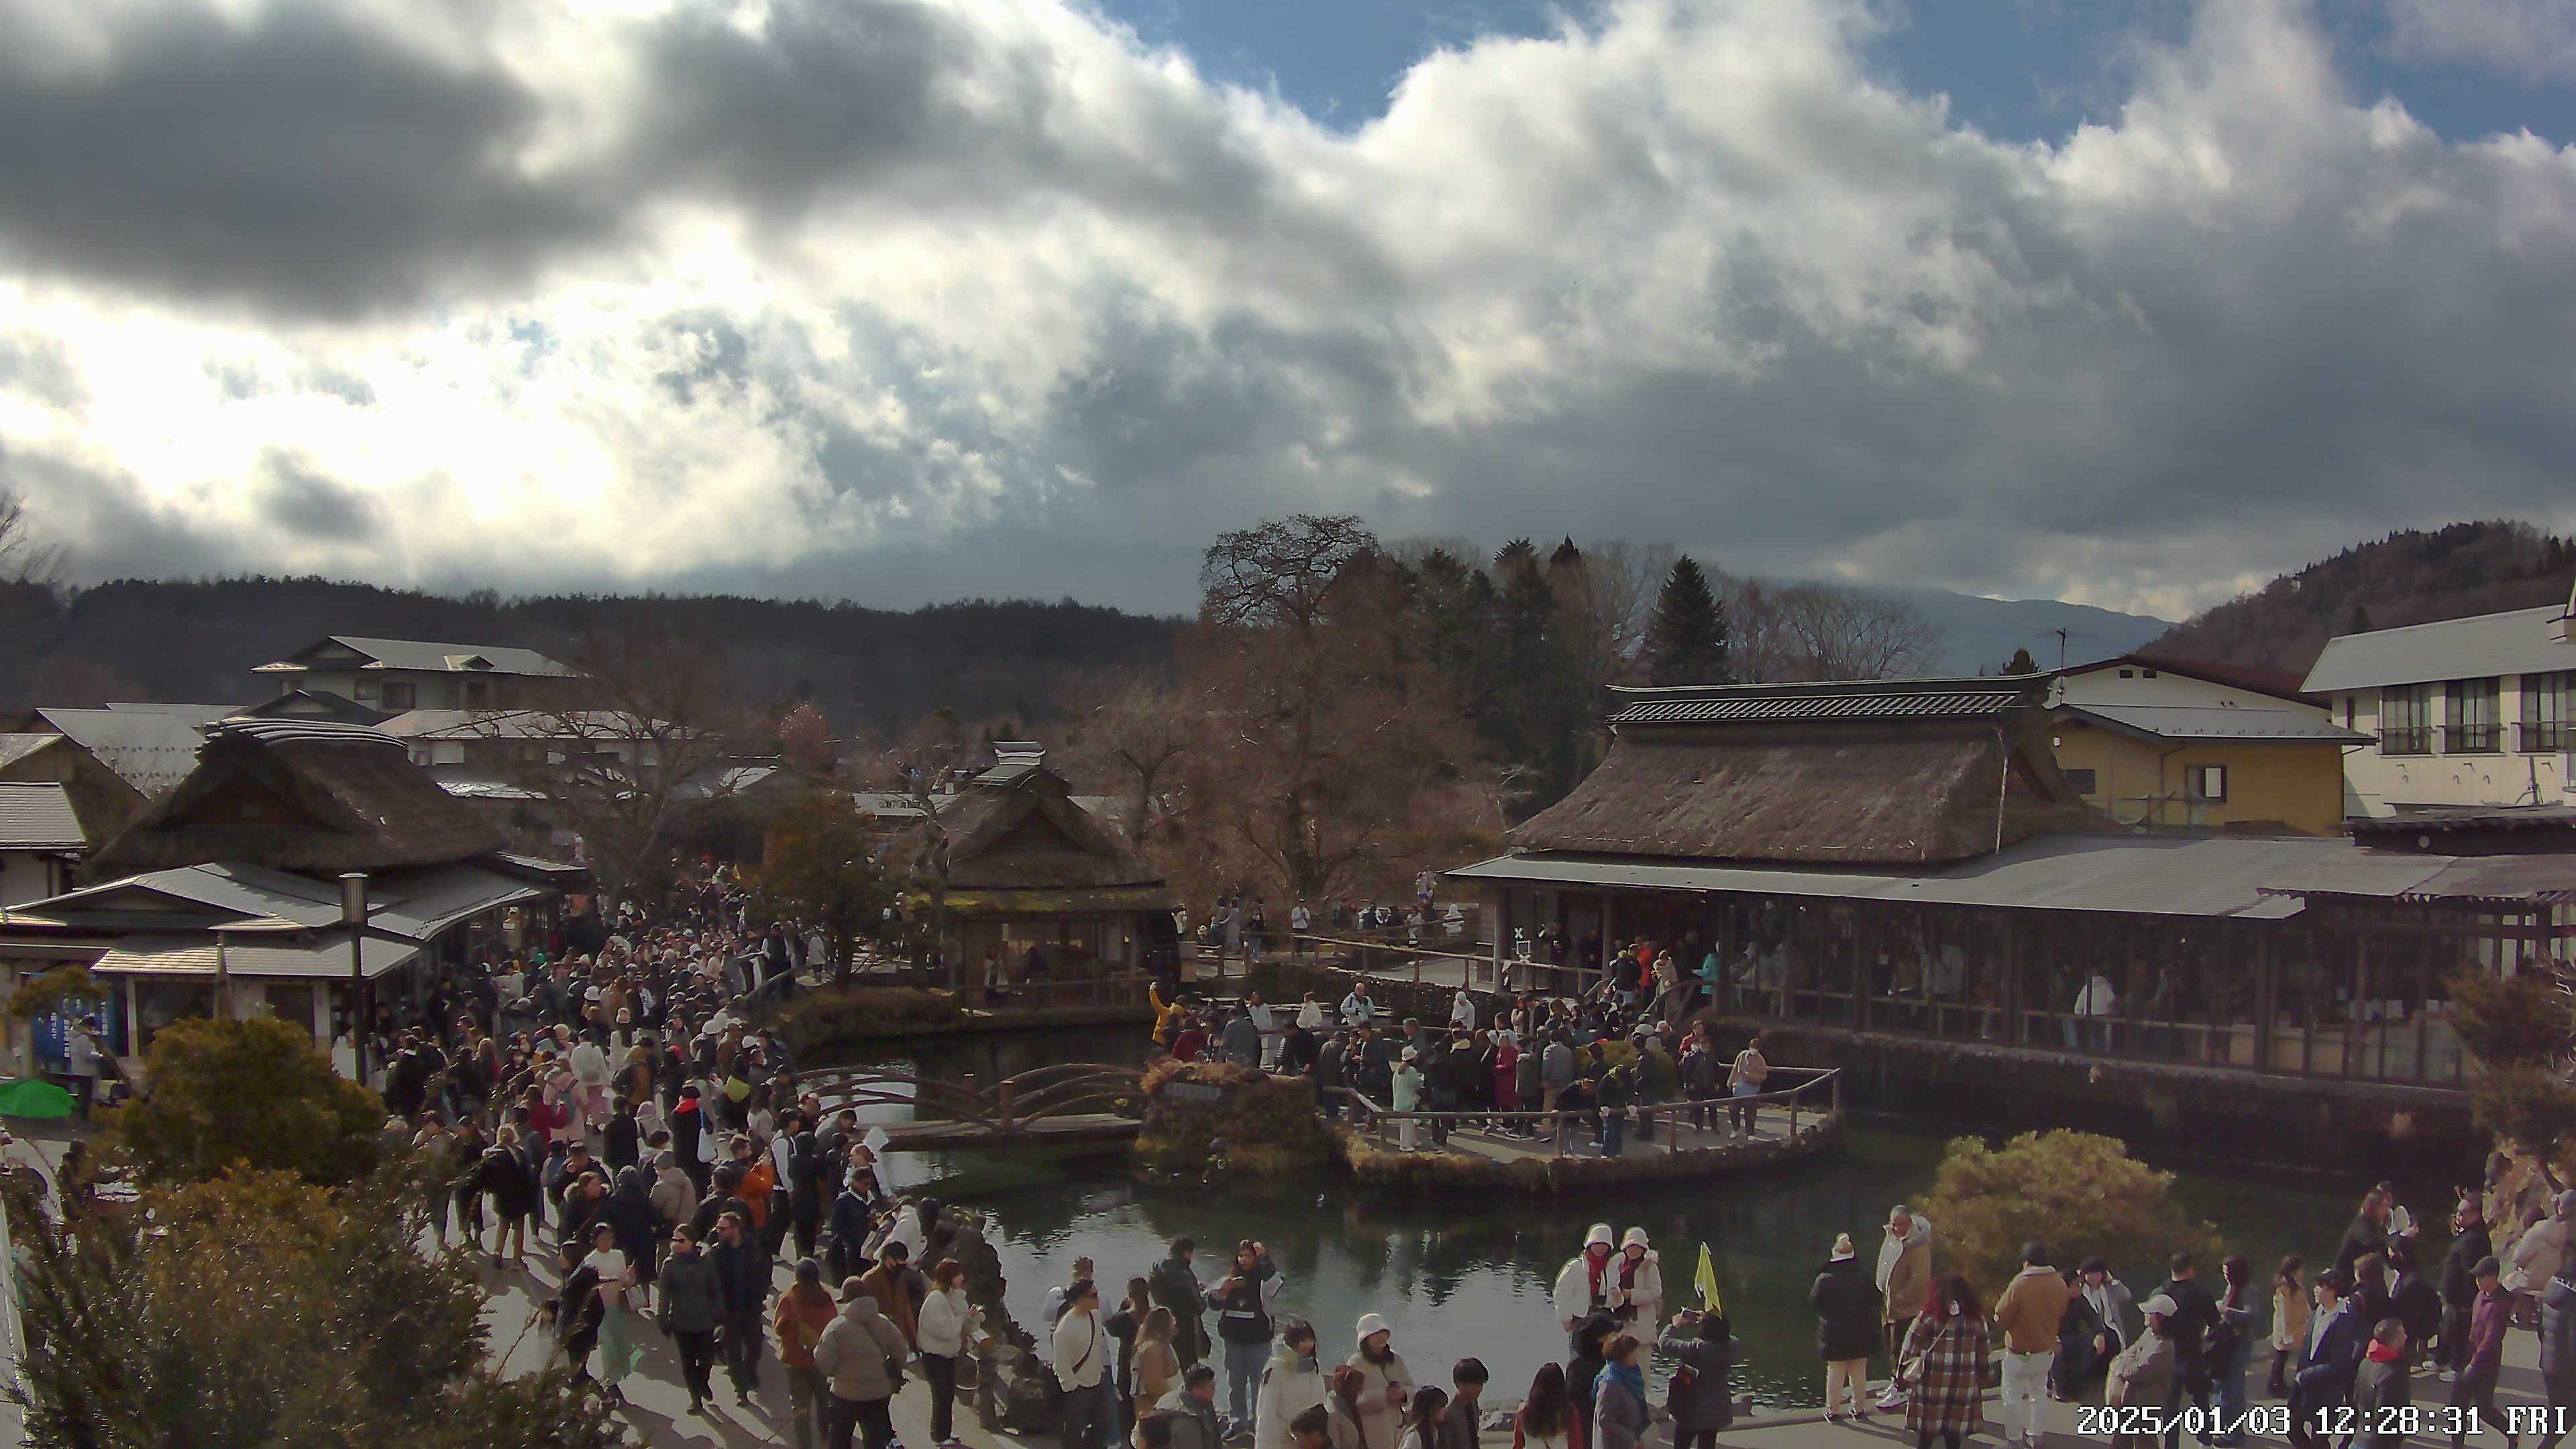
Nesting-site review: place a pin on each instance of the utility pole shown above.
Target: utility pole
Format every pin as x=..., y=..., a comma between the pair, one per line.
x=353, y=915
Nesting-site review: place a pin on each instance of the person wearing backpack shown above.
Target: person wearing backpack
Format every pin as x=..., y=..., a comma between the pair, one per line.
x=1698, y=1397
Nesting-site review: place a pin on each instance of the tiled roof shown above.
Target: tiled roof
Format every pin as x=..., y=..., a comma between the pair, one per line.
x=1753, y=704
x=38, y=817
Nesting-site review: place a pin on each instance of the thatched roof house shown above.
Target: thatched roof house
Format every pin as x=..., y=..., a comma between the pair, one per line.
x=1903, y=772
x=305, y=796
x=1027, y=865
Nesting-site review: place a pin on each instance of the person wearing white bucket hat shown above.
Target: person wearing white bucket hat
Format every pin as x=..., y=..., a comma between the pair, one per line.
x=1584, y=1283
x=1386, y=1385
x=1637, y=1291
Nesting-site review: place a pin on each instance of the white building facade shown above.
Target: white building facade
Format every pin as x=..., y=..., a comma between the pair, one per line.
x=2463, y=712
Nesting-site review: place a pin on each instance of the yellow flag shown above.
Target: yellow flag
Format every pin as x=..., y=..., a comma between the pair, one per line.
x=1707, y=1280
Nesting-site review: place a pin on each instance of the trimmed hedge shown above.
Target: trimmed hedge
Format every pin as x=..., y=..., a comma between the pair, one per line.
x=1268, y=1125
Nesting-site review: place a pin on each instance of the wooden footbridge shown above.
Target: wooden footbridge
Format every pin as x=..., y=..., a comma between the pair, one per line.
x=1070, y=1103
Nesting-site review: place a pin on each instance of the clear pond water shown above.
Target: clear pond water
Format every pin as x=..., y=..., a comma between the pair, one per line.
x=1462, y=1274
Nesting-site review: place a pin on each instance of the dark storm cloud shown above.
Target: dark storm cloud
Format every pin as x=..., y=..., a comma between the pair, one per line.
x=295, y=162
x=114, y=530
x=306, y=164
x=307, y=504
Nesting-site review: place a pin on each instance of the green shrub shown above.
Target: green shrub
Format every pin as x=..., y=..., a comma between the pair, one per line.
x=1268, y=1124
x=2079, y=1193
x=2512, y=1020
x=257, y=1095
x=2526, y=1104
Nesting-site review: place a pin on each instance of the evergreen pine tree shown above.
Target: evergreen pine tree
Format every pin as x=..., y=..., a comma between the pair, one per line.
x=1686, y=638
x=2359, y=623
x=2021, y=663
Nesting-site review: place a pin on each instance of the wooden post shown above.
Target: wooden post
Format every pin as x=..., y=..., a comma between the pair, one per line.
x=1003, y=1094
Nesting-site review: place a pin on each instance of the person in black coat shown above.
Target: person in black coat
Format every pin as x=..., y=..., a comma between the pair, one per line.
x=2557, y=1346
x=629, y=1210
x=2328, y=1359
x=1583, y=1368
x=1846, y=1301
x=2470, y=1242
x=511, y=1183
x=624, y=1139
x=2195, y=1314
x=2412, y=1298
x=1701, y=1402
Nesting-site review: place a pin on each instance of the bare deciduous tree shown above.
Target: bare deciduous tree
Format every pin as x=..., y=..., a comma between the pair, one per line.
x=24, y=559
x=1818, y=631
x=641, y=740
x=1129, y=735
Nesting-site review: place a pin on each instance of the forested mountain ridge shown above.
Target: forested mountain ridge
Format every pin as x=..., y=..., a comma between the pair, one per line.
x=199, y=641
x=2408, y=577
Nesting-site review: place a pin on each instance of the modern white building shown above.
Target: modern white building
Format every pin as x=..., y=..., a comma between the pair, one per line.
x=2463, y=712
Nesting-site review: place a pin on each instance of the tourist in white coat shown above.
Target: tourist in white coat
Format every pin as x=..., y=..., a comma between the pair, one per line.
x=1584, y=1284
x=1637, y=1294
x=1291, y=1383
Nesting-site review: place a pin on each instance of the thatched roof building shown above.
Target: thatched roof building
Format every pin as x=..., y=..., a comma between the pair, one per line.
x=305, y=796
x=1026, y=866
x=1902, y=772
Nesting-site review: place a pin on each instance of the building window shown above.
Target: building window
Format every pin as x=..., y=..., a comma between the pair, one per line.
x=478, y=694
x=366, y=688
x=2207, y=783
x=2471, y=718
x=400, y=697
x=2128, y=674
x=2406, y=720
x=2545, y=698
x=2081, y=781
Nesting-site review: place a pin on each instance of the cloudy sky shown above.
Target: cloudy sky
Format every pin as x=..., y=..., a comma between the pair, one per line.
x=902, y=300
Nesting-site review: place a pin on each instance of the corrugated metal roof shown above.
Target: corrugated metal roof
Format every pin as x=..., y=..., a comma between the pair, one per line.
x=2215, y=722
x=324, y=955
x=452, y=658
x=236, y=890
x=2516, y=642
x=1948, y=704
x=2210, y=876
x=196, y=716
x=38, y=817
x=150, y=752
x=289, y=728
x=417, y=905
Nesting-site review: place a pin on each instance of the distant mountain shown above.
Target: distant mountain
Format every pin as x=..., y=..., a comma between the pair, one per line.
x=1981, y=634
x=2411, y=577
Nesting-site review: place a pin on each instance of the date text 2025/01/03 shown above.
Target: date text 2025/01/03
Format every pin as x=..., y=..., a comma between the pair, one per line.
x=2330, y=1421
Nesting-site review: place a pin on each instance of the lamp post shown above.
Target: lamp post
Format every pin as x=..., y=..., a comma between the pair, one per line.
x=353, y=915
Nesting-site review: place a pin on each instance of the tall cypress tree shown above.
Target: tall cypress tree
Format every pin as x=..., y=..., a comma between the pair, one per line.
x=1687, y=638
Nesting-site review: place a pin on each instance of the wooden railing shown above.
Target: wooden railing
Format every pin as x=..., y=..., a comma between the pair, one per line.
x=1817, y=1098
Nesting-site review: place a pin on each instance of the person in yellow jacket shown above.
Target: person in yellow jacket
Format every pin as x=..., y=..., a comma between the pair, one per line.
x=1167, y=1015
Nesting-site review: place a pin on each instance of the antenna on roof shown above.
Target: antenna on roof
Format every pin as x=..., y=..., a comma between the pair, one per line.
x=2062, y=636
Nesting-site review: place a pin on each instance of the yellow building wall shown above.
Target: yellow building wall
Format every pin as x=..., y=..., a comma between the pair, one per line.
x=2299, y=784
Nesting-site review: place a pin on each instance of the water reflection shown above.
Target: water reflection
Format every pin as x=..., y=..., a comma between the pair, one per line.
x=1460, y=1277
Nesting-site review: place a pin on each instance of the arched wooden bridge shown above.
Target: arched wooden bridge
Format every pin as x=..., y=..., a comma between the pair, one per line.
x=1071, y=1102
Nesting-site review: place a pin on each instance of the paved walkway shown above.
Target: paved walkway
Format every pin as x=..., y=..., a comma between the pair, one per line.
x=657, y=1406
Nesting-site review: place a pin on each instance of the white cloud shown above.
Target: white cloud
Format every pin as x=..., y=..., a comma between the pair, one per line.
x=2534, y=40
x=811, y=292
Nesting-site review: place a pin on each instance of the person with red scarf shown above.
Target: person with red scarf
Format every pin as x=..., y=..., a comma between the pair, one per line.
x=1584, y=1284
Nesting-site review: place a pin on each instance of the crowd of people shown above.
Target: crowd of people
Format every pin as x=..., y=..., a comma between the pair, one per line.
x=2348, y=1345
x=1578, y=1068
x=618, y=1100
